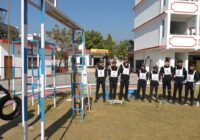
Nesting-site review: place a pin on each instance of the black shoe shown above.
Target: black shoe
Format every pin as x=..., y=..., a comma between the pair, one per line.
x=127, y=100
x=95, y=101
x=104, y=101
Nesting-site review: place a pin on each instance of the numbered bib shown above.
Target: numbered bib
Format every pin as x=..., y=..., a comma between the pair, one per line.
x=190, y=77
x=142, y=75
x=101, y=73
x=114, y=73
x=167, y=71
x=179, y=73
x=155, y=77
x=126, y=71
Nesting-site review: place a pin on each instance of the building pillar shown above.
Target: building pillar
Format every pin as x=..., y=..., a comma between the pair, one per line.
x=186, y=60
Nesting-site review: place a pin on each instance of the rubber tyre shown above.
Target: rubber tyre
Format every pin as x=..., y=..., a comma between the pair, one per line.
x=15, y=113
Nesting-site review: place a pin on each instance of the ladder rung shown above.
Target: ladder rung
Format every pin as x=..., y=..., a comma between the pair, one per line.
x=33, y=84
x=78, y=83
x=77, y=109
x=78, y=96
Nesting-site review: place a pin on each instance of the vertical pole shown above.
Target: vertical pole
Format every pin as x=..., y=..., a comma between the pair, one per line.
x=84, y=75
x=73, y=75
x=9, y=49
x=42, y=78
x=54, y=78
x=24, y=22
x=32, y=76
x=13, y=72
x=38, y=75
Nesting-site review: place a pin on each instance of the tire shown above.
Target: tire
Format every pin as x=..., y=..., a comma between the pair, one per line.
x=15, y=113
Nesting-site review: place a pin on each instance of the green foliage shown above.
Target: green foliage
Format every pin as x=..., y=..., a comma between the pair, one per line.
x=123, y=48
x=94, y=40
x=62, y=39
x=110, y=45
x=14, y=33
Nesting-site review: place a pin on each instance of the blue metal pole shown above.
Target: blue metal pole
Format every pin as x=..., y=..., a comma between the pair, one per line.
x=54, y=75
x=42, y=78
x=73, y=76
x=24, y=44
x=32, y=77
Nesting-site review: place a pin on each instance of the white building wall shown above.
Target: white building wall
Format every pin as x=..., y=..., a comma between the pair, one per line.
x=4, y=52
x=149, y=34
x=144, y=13
x=157, y=57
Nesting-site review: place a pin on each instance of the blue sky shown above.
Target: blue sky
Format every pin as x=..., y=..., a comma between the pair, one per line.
x=106, y=16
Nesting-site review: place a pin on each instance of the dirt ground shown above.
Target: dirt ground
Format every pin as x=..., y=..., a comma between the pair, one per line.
x=129, y=121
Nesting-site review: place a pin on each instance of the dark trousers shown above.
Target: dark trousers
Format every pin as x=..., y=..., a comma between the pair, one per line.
x=141, y=85
x=198, y=97
x=4, y=90
x=167, y=85
x=113, y=89
x=124, y=83
x=153, y=86
x=189, y=87
x=103, y=89
x=178, y=85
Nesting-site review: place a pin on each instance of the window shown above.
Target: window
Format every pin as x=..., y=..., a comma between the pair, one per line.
x=30, y=62
x=163, y=29
x=164, y=3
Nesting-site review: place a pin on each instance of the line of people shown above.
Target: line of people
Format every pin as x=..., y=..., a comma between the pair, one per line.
x=167, y=73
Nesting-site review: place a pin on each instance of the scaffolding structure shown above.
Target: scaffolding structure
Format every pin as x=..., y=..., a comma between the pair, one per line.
x=45, y=7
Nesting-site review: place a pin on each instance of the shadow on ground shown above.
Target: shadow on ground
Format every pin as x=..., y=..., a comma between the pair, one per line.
x=57, y=125
x=13, y=123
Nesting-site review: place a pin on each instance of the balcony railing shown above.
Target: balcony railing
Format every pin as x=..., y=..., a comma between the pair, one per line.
x=183, y=41
x=183, y=6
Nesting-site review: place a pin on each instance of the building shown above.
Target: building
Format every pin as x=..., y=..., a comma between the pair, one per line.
x=6, y=59
x=92, y=56
x=166, y=28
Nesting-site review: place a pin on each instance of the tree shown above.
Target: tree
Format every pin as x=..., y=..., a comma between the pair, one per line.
x=14, y=33
x=62, y=39
x=94, y=40
x=122, y=49
x=110, y=45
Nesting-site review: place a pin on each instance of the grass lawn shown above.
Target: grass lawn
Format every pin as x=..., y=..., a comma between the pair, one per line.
x=129, y=121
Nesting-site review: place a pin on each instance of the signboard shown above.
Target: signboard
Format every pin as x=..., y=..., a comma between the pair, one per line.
x=99, y=51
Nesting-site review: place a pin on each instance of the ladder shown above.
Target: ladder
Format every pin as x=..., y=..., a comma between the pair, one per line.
x=79, y=84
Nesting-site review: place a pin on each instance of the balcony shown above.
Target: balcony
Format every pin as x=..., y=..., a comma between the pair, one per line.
x=183, y=31
x=183, y=6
